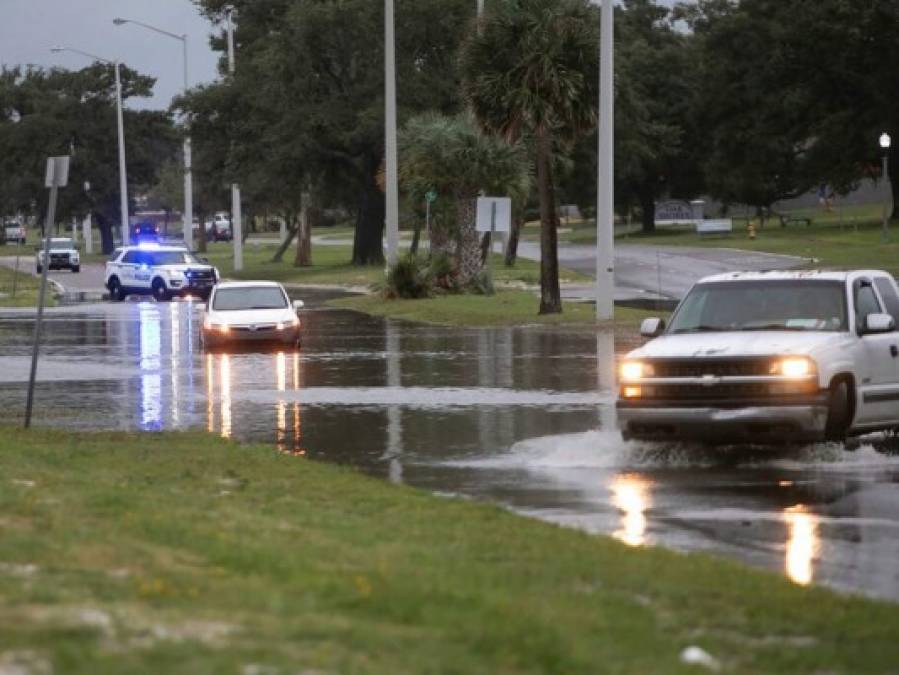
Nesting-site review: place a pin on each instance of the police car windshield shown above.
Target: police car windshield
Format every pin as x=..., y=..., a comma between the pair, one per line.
x=260, y=297
x=172, y=258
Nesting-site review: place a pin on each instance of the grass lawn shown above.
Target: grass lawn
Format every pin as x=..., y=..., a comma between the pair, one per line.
x=184, y=553
x=27, y=287
x=850, y=239
x=506, y=307
x=331, y=266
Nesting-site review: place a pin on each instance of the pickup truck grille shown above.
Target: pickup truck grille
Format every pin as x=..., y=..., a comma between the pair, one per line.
x=747, y=367
x=717, y=392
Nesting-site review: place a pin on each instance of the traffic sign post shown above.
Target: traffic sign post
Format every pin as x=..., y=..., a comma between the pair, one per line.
x=57, y=176
x=494, y=214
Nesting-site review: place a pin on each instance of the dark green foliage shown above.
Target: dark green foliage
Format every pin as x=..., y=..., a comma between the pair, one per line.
x=410, y=278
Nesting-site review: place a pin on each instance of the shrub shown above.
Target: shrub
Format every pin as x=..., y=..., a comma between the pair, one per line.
x=443, y=272
x=410, y=278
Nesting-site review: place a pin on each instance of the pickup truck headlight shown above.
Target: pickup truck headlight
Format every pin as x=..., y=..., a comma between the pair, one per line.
x=794, y=367
x=210, y=325
x=635, y=370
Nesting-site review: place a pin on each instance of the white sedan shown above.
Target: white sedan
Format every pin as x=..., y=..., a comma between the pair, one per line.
x=248, y=312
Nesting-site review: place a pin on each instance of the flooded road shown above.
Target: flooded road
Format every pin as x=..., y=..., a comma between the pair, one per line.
x=523, y=417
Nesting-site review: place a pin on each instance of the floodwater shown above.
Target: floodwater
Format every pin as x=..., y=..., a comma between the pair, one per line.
x=523, y=417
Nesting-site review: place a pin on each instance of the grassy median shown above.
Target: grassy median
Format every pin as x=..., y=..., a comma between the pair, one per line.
x=184, y=553
x=22, y=289
x=505, y=308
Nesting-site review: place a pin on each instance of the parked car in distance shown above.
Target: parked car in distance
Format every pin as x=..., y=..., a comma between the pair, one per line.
x=250, y=312
x=768, y=357
x=63, y=255
x=161, y=271
x=14, y=233
x=145, y=231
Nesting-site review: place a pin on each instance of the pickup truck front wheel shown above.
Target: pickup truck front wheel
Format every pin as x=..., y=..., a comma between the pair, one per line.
x=838, y=414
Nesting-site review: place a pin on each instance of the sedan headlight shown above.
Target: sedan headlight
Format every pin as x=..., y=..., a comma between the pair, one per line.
x=794, y=367
x=635, y=370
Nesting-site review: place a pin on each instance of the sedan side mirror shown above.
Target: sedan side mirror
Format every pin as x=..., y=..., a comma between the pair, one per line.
x=298, y=304
x=652, y=327
x=878, y=323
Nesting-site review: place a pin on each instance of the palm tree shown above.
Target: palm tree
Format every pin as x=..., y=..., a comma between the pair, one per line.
x=531, y=69
x=452, y=156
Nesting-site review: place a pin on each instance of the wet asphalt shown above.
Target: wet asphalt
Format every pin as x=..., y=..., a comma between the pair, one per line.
x=523, y=417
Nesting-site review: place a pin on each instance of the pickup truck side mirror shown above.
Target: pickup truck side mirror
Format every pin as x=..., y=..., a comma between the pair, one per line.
x=298, y=304
x=652, y=327
x=878, y=323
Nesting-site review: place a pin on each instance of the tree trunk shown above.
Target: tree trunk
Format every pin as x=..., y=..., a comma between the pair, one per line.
x=107, y=245
x=512, y=247
x=486, y=242
x=550, y=294
x=303, y=257
x=894, y=188
x=201, y=232
x=468, y=247
x=291, y=233
x=648, y=209
x=368, y=246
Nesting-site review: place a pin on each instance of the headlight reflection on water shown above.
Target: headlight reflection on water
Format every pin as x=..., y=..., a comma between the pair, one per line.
x=803, y=544
x=631, y=494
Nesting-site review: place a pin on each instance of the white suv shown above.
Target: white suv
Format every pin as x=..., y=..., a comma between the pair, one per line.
x=63, y=255
x=163, y=271
x=768, y=357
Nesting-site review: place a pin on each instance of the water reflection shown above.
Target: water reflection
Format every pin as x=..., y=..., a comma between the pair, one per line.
x=210, y=393
x=803, y=544
x=176, y=362
x=225, y=393
x=631, y=495
x=150, y=373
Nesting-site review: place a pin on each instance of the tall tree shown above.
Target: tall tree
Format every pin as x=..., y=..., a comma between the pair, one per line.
x=57, y=112
x=531, y=68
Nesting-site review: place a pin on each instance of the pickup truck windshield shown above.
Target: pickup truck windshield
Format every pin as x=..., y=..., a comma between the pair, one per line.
x=787, y=304
x=258, y=297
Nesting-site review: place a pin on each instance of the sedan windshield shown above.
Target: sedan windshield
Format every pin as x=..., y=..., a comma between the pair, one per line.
x=762, y=305
x=260, y=297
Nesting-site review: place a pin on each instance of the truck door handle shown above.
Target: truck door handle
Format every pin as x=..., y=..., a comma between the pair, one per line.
x=894, y=352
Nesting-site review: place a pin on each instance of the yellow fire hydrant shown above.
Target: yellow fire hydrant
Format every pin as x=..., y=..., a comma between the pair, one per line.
x=750, y=228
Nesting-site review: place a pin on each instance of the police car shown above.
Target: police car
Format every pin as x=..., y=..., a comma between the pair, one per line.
x=160, y=271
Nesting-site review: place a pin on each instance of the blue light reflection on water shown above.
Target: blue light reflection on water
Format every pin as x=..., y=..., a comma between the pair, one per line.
x=150, y=368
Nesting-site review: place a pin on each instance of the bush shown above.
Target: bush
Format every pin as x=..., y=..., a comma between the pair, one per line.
x=409, y=278
x=443, y=273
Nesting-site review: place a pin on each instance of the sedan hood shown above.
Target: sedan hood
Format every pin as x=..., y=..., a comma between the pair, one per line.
x=255, y=316
x=749, y=343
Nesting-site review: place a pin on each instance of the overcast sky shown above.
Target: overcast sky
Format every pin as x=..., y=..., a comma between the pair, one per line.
x=29, y=28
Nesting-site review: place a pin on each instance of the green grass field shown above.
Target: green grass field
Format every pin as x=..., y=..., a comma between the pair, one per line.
x=184, y=553
x=26, y=286
x=505, y=308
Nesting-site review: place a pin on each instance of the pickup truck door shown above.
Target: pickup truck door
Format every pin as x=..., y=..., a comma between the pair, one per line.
x=878, y=374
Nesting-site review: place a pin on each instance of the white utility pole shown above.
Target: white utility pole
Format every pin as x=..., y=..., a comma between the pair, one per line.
x=605, y=188
x=236, y=223
x=392, y=189
x=188, y=178
x=123, y=172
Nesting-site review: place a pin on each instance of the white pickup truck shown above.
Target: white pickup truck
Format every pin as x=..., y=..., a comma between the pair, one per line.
x=768, y=357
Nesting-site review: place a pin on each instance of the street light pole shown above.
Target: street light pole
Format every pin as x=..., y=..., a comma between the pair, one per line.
x=236, y=222
x=392, y=189
x=188, y=178
x=885, y=142
x=120, y=124
x=605, y=192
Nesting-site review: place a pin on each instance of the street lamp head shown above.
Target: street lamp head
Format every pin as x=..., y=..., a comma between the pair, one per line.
x=119, y=21
x=885, y=141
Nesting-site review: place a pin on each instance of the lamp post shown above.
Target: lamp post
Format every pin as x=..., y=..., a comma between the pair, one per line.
x=188, y=180
x=605, y=188
x=392, y=189
x=123, y=175
x=236, y=222
x=885, y=142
